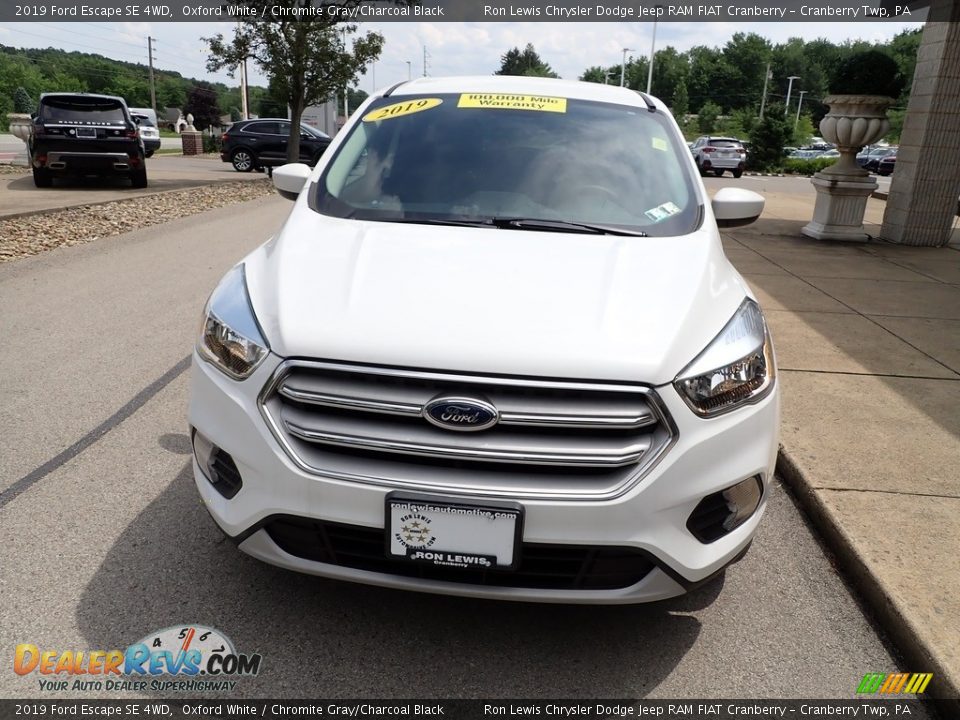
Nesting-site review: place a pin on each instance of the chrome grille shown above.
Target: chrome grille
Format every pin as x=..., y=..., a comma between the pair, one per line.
x=558, y=439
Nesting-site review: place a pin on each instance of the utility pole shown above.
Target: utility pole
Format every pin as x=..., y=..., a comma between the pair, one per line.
x=786, y=108
x=623, y=64
x=409, y=71
x=799, y=105
x=425, y=56
x=346, y=97
x=763, y=103
x=244, y=91
x=653, y=46
x=153, y=87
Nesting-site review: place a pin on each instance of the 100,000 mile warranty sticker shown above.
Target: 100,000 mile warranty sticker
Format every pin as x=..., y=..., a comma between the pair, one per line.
x=502, y=101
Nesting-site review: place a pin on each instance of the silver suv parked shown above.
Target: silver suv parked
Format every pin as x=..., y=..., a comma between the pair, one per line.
x=719, y=154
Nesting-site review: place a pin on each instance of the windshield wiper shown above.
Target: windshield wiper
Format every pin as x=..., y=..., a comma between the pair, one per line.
x=562, y=226
x=437, y=221
x=519, y=223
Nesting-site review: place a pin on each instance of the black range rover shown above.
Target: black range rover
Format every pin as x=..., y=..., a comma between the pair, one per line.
x=84, y=134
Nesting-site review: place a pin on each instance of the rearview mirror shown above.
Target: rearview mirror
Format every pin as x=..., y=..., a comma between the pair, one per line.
x=289, y=179
x=734, y=207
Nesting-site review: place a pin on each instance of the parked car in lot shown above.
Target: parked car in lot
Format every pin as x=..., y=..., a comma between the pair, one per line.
x=805, y=154
x=870, y=160
x=887, y=164
x=85, y=134
x=254, y=144
x=496, y=350
x=719, y=154
x=148, y=132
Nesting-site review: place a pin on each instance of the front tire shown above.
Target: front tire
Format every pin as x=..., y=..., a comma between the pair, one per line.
x=243, y=160
x=148, y=153
x=42, y=178
x=737, y=173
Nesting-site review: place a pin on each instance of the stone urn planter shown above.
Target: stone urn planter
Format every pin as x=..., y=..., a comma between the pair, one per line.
x=844, y=187
x=863, y=86
x=20, y=125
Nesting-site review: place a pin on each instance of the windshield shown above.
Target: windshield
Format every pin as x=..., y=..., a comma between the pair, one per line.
x=80, y=109
x=486, y=158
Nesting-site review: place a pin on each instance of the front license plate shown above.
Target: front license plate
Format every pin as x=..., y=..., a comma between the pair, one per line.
x=86, y=132
x=482, y=536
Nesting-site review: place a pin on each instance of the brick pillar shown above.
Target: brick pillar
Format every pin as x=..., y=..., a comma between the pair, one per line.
x=926, y=183
x=192, y=142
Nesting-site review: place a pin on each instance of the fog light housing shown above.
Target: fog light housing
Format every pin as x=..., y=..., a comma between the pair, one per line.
x=217, y=466
x=723, y=512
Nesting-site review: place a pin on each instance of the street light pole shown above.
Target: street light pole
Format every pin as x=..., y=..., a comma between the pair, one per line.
x=763, y=102
x=786, y=108
x=653, y=45
x=623, y=64
x=799, y=105
x=409, y=71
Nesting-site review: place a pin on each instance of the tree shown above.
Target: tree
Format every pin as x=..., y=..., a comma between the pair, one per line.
x=308, y=60
x=707, y=117
x=681, y=101
x=355, y=97
x=769, y=137
x=524, y=62
x=202, y=104
x=22, y=102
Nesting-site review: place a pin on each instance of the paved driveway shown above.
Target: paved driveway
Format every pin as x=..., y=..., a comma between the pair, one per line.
x=18, y=195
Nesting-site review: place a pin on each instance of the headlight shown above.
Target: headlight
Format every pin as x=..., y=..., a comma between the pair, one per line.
x=736, y=368
x=231, y=338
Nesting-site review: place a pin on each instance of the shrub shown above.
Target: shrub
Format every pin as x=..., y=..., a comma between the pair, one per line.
x=871, y=72
x=22, y=102
x=767, y=139
x=799, y=166
x=211, y=143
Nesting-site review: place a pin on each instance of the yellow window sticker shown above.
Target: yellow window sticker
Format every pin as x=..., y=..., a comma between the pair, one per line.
x=401, y=109
x=659, y=144
x=500, y=101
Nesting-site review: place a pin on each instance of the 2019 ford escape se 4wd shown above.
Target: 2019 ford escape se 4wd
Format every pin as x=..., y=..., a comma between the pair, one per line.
x=85, y=134
x=496, y=350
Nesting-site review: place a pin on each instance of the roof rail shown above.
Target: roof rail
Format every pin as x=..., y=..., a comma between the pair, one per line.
x=646, y=99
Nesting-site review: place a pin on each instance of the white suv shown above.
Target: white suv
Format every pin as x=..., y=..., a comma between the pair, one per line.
x=496, y=350
x=719, y=154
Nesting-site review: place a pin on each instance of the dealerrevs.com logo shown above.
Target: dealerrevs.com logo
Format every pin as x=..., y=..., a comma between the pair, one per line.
x=182, y=658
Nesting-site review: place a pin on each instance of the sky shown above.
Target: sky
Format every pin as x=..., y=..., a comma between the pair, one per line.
x=452, y=48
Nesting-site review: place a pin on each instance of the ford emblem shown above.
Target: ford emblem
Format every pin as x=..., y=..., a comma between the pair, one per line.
x=459, y=413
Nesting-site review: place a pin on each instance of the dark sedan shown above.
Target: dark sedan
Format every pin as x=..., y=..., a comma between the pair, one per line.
x=256, y=144
x=871, y=160
x=886, y=165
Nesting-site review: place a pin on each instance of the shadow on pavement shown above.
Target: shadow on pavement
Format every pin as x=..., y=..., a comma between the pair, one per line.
x=324, y=638
x=844, y=293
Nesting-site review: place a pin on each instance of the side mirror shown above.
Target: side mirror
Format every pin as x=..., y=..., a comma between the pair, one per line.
x=734, y=207
x=289, y=179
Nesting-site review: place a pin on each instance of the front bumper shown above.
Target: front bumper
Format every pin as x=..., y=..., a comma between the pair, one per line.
x=708, y=456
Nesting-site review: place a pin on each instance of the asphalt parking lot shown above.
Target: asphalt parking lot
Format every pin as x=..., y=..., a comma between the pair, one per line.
x=105, y=539
x=18, y=195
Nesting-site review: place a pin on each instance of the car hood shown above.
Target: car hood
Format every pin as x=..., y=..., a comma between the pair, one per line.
x=484, y=300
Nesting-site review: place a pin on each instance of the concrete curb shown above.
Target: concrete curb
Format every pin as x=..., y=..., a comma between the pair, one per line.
x=28, y=213
x=890, y=617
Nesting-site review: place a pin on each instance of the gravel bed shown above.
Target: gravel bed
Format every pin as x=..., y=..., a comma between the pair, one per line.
x=6, y=169
x=33, y=234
